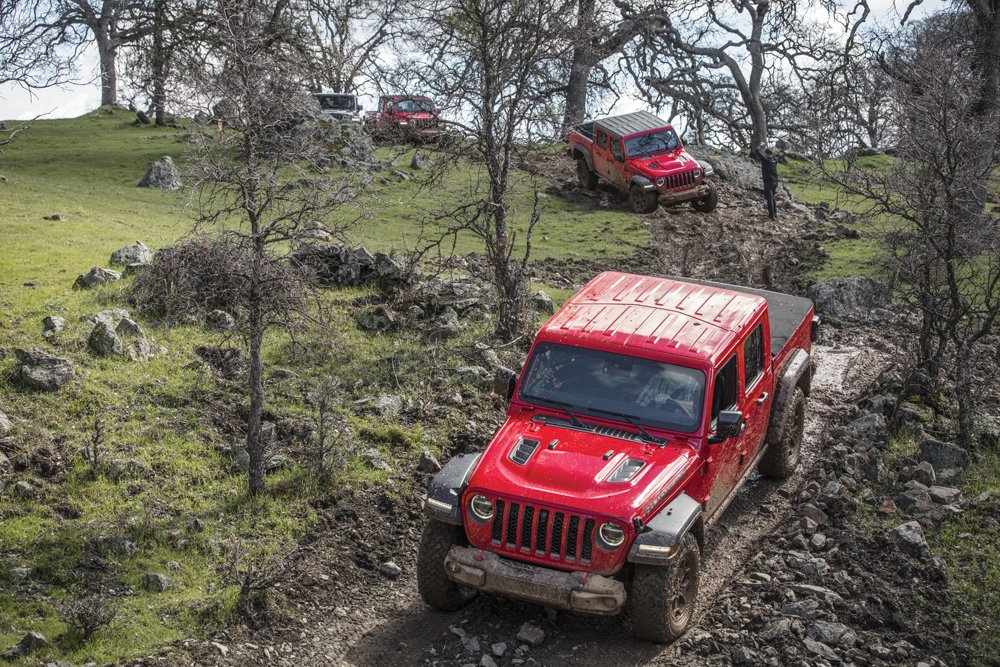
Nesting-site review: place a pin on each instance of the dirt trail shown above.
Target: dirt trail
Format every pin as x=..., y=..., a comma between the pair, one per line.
x=378, y=623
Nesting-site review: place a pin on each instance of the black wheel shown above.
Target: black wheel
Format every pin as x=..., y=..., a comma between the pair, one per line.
x=661, y=600
x=586, y=176
x=435, y=587
x=710, y=201
x=642, y=201
x=783, y=446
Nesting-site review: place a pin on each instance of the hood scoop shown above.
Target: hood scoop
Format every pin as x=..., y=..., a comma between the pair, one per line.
x=523, y=450
x=654, y=164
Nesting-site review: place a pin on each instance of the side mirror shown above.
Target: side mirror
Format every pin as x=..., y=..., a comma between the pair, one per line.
x=504, y=383
x=730, y=424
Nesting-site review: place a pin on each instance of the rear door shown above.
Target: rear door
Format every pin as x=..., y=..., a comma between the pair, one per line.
x=602, y=158
x=755, y=368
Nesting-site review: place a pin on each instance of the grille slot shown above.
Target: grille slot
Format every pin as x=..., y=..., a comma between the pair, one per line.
x=529, y=516
x=496, y=531
x=572, y=536
x=555, y=541
x=523, y=450
x=587, y=542
x=540, y=529
x=512, y=524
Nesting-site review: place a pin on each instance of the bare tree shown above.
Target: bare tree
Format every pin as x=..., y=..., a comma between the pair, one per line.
x=256, y=179
x=492, y=62
x=943, y=259
x=707, y=53
x=28, y=57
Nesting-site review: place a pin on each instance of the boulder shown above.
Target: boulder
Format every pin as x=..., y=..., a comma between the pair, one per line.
x=43, y=371
x=104, y=342
x=129, y=327
x=420, y=161
x=220, y=319
x=428, y=462
x=156, y=582
x=96, y=276
x=137, y=253
x=909, y=537
x=377, y=318
x=476, y=375
x=5, y=428
x=52, y=325
x=389, y=405
x=110, y=317
x=24, y=490
x=28, y=644
x=139, y=350
x=387, y=268
x=832, y=634
x=542, y=302
x=162, y=175
x=943, y=455
x=945, y=495
x=852, y=299
x=923, y=472
x=445, y=325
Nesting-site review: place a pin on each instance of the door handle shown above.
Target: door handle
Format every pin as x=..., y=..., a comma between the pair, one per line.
x=762, y=399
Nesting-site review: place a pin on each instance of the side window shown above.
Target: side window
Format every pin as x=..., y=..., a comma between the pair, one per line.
x=724, y=394
x=601, y=138
x=753, y=356
x=616, y=149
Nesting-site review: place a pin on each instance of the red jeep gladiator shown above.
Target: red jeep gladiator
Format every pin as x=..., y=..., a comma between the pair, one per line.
x=404, y=117
x=642, y=155
x=643, y=406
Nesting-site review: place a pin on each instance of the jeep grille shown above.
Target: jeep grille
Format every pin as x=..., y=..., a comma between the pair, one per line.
x=547, y=533
x=680, y=181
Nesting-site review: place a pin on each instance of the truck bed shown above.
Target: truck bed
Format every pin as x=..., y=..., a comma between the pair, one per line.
x=786, y=312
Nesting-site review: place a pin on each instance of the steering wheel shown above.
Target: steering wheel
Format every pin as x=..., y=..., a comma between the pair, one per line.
x=673, y=404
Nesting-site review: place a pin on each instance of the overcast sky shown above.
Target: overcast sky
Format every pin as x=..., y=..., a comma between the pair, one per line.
x=75, y=100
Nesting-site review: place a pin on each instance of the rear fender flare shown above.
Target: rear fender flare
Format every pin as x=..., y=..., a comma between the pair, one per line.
x=797, y=373
x=657, y=544
x=578, y=152
x=444, y=493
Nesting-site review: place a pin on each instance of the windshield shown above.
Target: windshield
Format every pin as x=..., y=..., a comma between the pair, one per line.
x=586, y=381
x=337, y=102
x=654, y=142
x=411, y=106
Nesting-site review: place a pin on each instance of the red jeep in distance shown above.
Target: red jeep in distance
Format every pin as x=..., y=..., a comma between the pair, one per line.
x=644, y=405
x=404, y=117
x=642, y=155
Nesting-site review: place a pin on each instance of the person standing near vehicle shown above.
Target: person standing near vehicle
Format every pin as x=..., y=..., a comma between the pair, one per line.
x=769, y=172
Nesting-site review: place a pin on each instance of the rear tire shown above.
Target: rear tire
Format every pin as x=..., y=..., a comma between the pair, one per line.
x=709, y=202
x=661, y=600
x=642, y=201
x=782, y=455
x=586, y=176
x=434, y=586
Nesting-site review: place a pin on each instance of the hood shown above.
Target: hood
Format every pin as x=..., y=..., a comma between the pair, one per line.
x=573, y=471
x=416, y=115
x=664, y=164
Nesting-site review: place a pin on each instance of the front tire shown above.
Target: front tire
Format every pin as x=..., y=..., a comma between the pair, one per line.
x=661, y=600
x=434, y=586
x=642, y=201
x=782, y=455
x=586, y=176
x=709, y=202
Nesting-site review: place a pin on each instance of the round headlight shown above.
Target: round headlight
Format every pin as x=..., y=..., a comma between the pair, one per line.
x=481, y=508
x=660, y=181
x=610, y=536
x=697, y=173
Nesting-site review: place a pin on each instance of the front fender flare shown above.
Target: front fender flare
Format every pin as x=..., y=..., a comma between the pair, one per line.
x=658, y=544
x=444, y=493
x=643, y=182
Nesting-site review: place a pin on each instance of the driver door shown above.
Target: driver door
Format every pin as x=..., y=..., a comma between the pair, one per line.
x=602, y=159
x=725, y=465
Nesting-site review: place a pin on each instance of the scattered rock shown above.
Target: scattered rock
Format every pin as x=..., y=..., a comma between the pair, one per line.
x=28, y=644
x=373, y=458
x=475, y=375
x=530, y=634
x=820, y=649
x=43, y=371
x=135, y=254
x=220, y=319
x=832, y=634
x=116, y=469
x=389, y=405
x=5, y=427
x=923, y=472
x=96, y=276
x=542, y=302
x=945, y=495
x=420, y=161
x=156, y=582
x=428, y=462
x=104, y=342
x=241, y=458
x=855, y=299
x=377, y=318
x=445, y=325
x=24, y=490
x=943, y=455
x=499, y=649
x=390, y=570
x=52, y=325
x=910, y=539
x=55, y=217
x=115, y=545
x=162, y=175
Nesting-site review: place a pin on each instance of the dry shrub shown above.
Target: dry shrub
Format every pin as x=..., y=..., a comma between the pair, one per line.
x=87, y=615
x=193, y=278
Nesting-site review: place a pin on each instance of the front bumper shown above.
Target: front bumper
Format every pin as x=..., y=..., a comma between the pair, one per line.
x=699, y=191
x=581, y=592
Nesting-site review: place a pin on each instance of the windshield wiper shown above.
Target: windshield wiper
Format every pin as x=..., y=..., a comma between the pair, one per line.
x=565, y=408
x=633, y=420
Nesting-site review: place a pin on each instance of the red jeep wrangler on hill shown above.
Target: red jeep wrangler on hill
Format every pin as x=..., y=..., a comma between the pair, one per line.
x=642, y=155
x=643, y=406
x=407, y=117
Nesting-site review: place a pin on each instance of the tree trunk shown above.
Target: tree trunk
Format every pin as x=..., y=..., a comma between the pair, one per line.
x=583, y=62
x=255, y=441
x=964, y=394
x=159, y=63
x=107, y=51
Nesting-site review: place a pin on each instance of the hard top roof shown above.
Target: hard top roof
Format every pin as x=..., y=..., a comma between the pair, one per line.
x=661, y=314
x=631, y=123
x=405, y=97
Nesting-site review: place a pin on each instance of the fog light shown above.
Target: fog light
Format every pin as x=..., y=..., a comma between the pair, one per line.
x=481, y=508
